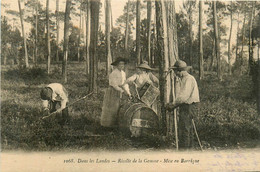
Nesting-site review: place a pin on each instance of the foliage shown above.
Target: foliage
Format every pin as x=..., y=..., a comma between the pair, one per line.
x=226, y=113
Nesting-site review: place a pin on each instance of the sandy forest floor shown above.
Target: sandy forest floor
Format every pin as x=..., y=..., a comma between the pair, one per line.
x=227, y=115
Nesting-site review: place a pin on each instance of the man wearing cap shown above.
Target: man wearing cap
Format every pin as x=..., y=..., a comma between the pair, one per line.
x=54, y=100
x=186, y=99
x=113, y=94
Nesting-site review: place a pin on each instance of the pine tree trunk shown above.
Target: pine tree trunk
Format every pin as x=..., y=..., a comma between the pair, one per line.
x=229, y=39
x=237, y=42
x=66, y=40
x=258, y=79
x=58, y=29
x=94, y=8
x=48, y=38
x=162, y=54
x=170, y=85
x=250, y=45
x=87, y=38
x=242, y=44
x=190, y=32
x=213, y=56
x=127, y=26
x=79, y=38
x=217, y=46
x=36, y=34
x=201, y=73
x=108, y=28
x=138, y=24
x=24, y=37
x=149, y=13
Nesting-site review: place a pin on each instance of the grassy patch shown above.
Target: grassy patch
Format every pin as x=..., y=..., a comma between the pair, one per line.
x=226, y=115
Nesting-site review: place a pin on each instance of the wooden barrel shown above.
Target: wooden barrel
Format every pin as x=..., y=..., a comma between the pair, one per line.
x=137, y=119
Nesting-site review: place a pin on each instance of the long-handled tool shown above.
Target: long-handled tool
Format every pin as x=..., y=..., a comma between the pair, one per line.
x=193, y=123
x=68, y=105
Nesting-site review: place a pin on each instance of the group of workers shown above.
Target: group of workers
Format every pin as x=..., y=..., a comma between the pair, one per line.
x=55, y=97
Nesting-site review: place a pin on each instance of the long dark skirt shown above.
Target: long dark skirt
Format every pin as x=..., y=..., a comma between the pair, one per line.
x=110, y=108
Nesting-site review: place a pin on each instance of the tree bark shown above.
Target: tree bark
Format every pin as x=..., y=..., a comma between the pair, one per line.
x=170, y=84
x=79, y=38
x=94, y=8
x=24, y=37
x=127, y=26
x=149, y=13
x=242, y=44
x=58, y=29
x=87, y=37
x=190, y=32
x=237, y=57
x=229, y=39
x=217, y=46
x=66, y=40
x=201, y=72
x=258, y=79
x=36, y=34
x=162, y=54
x=48, y=38
x=108, y=28
x=250, y=45
x=138, y=24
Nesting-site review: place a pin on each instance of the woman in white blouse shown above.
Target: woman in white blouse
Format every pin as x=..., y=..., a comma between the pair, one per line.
x=114, y=93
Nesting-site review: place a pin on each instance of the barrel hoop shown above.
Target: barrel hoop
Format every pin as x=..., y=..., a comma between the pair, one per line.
x=139, y=109
x=131, y=107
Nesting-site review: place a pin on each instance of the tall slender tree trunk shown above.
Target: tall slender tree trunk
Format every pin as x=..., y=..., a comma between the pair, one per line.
x=237, y=56
x=94, y=8
x=66, y=40
x=258, y=79
x=79, y=38
x=48, y=38
x=108, y=28
x=36, y=34
x=162, y=54
x=250, y=45
x=24, y=37
x=217, y=46
x=87, y=37
x=242, y=44
x=138, y=24
x=127, y=26
x=229, y=39
x=58, y=29
x=201, y=42
x=190, y=32
x=149, y=13
x=213, y=55
x=170, y=91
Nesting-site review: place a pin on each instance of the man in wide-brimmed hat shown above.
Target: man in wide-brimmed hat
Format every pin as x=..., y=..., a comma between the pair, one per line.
x=186, y=99
x=54, y=100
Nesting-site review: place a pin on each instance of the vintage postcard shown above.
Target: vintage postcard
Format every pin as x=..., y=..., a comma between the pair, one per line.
x=130, y=85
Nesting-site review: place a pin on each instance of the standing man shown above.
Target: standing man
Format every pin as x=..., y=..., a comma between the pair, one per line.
x=54, y=100
x=186, y=99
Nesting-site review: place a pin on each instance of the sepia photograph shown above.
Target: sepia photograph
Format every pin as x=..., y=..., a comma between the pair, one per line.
x=130, y=85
